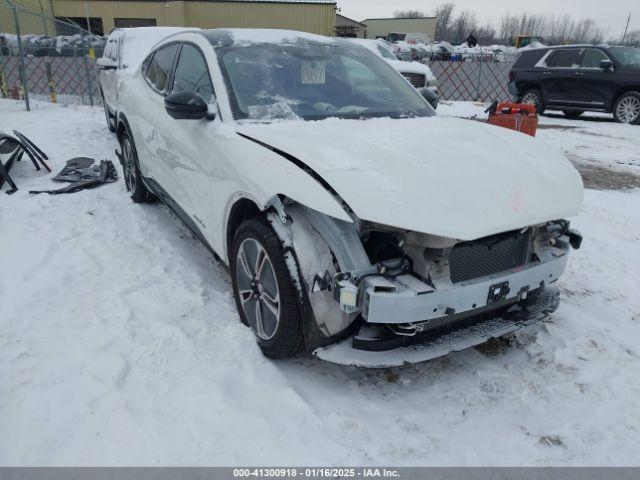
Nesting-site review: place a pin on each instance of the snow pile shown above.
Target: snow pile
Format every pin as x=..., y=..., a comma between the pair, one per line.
x=446, y=51
x=45, y=45
x=121, y=345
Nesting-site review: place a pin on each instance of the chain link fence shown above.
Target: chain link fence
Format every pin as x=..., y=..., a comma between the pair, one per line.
x=472, y=80
x=43, y=59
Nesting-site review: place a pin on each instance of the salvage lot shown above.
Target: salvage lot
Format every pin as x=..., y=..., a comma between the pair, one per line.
x=120, y=343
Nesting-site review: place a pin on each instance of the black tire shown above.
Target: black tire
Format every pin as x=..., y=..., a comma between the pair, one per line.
x=131, y=171
x=111, y=124
x=533, y=96
x=573, y=114
x=285, y=338
x=632, y=115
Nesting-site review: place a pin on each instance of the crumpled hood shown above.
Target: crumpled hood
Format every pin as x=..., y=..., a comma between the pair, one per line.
x=450, y=177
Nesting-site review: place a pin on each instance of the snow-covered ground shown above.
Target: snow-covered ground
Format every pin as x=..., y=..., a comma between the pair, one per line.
x=120, y=344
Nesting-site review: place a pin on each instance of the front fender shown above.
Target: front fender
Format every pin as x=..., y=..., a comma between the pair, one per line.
x=261, y=174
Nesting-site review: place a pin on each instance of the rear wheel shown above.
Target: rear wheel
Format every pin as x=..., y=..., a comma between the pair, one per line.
x=627, y=108
x=265, y=294
x=132, y=176
x=572, y=114
x=533, y=97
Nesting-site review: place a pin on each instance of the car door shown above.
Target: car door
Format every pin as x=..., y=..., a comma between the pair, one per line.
x=558, y=78
x=190, y=150
x=150, y=115
x=593, y=85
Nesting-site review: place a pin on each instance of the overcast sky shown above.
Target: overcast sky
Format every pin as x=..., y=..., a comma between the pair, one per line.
x=610, y=14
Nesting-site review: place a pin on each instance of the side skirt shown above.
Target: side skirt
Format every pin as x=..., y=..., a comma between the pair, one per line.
x=184, y=217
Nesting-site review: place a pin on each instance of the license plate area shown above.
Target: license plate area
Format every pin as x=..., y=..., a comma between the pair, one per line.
x=498, y=293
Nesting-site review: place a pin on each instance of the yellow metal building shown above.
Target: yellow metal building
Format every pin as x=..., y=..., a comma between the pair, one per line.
x=314, y=16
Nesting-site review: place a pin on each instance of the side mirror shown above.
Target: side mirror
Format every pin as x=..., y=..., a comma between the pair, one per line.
x=187, y=105
x=430, y=96
x=606, y=65
x=105, y=63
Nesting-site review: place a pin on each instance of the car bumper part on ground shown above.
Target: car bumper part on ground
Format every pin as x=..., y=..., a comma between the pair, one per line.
x=442, y=342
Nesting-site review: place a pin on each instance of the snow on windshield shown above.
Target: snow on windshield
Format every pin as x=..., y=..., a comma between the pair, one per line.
x=314, y=81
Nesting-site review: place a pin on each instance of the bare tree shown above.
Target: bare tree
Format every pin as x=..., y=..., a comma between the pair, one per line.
x=463, y=24
x=409, y=14
x=444, y=17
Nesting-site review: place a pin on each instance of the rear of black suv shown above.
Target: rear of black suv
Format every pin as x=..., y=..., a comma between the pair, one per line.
x=580, y=78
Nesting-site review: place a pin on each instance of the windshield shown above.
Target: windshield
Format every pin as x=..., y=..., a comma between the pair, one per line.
x=627, y=56
x=314, y=81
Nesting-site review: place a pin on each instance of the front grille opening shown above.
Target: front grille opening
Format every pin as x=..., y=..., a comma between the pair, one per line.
x=488, y=256
x=418, y=80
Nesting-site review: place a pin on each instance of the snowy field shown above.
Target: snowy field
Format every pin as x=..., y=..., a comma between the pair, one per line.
x=120, y=343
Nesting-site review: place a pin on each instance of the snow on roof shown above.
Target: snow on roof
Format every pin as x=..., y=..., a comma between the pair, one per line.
x=250, y=36
x=140, y=41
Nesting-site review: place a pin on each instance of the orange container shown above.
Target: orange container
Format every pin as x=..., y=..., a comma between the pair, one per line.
x=516, y=116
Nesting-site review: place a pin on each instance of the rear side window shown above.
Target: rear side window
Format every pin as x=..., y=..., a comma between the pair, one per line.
x=159, y=67
x=592, y=58
x=564, y=59
x=192, y=73
x=529, y=59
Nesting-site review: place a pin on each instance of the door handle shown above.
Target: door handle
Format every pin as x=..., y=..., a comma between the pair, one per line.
x=546, y=74
x=578, y=74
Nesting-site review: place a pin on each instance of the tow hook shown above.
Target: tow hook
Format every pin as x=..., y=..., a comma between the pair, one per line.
x=575, y=238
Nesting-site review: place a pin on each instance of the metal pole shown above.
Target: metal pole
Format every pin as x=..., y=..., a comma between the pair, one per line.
x=44, y=21
x=479, y=79
x=626, y=29
x=87, y=71
x=23, y=77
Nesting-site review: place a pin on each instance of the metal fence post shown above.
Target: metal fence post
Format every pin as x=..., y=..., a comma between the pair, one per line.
x=88, y=75
x=478, y=86
x=23, y=76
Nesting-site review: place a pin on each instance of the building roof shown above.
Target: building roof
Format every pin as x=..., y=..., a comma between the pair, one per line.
x=350, y=19
x=399, y=18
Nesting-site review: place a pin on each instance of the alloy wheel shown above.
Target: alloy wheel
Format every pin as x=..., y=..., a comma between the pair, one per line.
x=530, y=99
x=129, y=166
x=258, y=289
x=628, y=109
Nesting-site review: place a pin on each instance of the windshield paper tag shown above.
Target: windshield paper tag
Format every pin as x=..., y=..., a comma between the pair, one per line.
x=313, y=73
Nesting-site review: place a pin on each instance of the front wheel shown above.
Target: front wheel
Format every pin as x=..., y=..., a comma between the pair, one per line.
x=265, y=294
x=533, y=97
x=627, y=108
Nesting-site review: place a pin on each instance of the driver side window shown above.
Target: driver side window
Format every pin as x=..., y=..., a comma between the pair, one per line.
x=157, y=70
x=192, y=74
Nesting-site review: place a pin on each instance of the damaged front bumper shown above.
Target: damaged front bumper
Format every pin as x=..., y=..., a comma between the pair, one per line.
x=457, y=336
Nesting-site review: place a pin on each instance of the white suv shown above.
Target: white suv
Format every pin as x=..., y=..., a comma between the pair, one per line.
x=364, y=248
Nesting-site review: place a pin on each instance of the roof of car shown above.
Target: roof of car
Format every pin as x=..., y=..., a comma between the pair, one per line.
x=247, y=36
x=568, y=47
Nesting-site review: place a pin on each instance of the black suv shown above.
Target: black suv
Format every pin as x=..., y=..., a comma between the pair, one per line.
x=580, y=78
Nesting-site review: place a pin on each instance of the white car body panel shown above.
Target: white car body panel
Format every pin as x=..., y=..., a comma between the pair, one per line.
x=465, y=185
